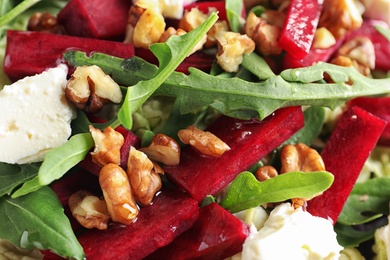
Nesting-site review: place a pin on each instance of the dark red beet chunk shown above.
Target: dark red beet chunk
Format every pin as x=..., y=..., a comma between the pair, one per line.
x=171, y=213
x=344, y=155
x=29, y=53
x=378, y=106
x=249, y=142
x=217, y=234
x=103, y=19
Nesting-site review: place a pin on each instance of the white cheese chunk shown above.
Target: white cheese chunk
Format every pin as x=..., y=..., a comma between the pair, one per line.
x=292, y=234
x=34, y=116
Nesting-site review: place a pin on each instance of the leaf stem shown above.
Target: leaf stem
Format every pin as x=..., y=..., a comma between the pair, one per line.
x=17, y=10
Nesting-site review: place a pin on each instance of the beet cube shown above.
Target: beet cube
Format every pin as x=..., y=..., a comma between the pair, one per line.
x=344, y=155
x=249, y=141
x=217, y=234
x=29, y=53
x=103, y=19
x=171, y=213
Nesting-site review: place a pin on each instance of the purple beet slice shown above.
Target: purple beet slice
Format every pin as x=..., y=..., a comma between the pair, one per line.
x=171, y=213
x=216, y=234
x=249, y=141
x=103, y=19
x=344, y=155
x=29, y=53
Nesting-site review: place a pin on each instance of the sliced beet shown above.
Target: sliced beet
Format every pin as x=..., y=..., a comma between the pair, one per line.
x=29, y=53
x=171, y=213
x=249, y=141
x=378, y=106
x=105, y=19
x=216, y=234
x=344, y=155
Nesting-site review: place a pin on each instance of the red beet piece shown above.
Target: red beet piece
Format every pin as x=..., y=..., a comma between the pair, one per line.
x=103, y=19
x=380, y=107
x=344, y=155
x=315, y=55
x=216, y=234
x=29, y=53
x=299, y=27
x=249, y=141
x=171, y=213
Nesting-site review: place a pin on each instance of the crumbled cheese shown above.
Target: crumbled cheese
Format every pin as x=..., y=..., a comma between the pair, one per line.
x=35, y=116
x=382, y=242
x=292, y=234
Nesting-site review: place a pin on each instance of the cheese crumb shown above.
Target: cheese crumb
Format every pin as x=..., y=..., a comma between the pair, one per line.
x=35, y=116
x=292, y=234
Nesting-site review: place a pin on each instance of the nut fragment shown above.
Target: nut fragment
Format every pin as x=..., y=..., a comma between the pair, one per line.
x=145, y=25
x=144, y=180
x=172, y=31
x=300, y=157
x=107, y=146
x=89, y=210
x=231, y=49
x=265, y=35
x=44, y=22
x=163, y=149
x=266, y=172
x=89, y=85
x=205, y=142
x=323, y=39
x=121, y=204
x=340, y=17
x=358, y=52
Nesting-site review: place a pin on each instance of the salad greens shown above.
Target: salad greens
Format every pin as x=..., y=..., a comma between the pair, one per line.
x=243, y=99
x=27, y=203
x=38, y=221
x=246, y=192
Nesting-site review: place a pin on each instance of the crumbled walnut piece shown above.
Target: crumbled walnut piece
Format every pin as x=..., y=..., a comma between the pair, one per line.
x=340, y=17
x=323, y=39
x=266, y=172
x=88, y=210
x=163, y=149
x=172, y=31
x=121, y=204
x=44, y=22
x=300, y=157
x=145, y=24
x=89, y=85
x=205, y=142
x=144, y=180
x=265, y=35
x=231, y=48
x=107, y=146
x=218, y=29
x=192, y=19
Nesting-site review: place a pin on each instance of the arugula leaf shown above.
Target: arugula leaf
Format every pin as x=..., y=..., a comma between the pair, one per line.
x=368, y=201
x=57, y=162
x=247, y=192
x=234, y=10
x=13, y=175
x=348, y=236
x=257, y=65
x=38, y=220
x=239, y=98
x=169, y=54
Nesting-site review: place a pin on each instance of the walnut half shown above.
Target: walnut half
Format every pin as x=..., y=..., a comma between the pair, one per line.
x=90, y=86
